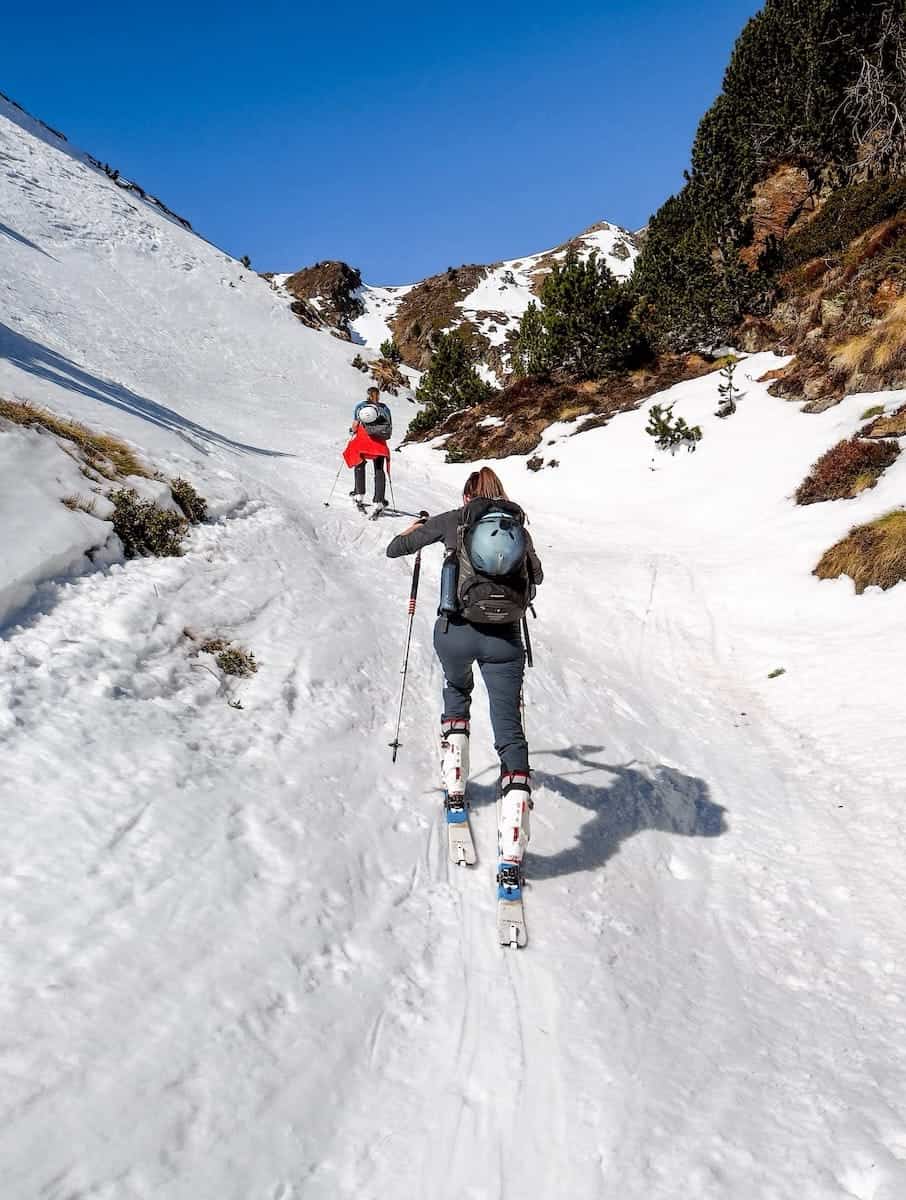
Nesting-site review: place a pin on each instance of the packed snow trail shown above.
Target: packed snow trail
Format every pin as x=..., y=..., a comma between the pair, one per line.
x=235, y=959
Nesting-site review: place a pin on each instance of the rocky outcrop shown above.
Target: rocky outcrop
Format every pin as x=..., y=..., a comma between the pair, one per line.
x=840, y=308
x=307, y=314
x=787, y=196
x=331, y=289
x=484, y=303
x=431, y=308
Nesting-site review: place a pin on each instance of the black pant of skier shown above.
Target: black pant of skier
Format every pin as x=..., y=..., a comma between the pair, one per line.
x=380, y=481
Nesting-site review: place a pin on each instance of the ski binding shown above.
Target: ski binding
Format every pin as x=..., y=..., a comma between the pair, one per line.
x=511, y=930
x=459, y=832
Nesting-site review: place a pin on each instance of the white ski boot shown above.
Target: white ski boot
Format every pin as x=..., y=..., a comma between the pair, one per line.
x=454, y=755
x=514, y=800
x=454, y=769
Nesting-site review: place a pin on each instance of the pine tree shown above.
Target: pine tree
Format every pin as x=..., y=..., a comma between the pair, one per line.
x=727, y=390
x=391, y=351
x=821, y=84
x=450, y=383
x=671, y=432
x=529, y=355
x=586, y=326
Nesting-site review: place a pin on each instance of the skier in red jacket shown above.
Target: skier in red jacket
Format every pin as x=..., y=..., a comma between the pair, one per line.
x=371, y=427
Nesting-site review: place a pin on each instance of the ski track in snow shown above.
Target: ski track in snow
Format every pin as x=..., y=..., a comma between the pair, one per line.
x=235, y=961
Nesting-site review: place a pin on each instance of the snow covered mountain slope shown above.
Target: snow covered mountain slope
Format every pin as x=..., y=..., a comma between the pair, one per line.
x=234, y=960
x=483, y=302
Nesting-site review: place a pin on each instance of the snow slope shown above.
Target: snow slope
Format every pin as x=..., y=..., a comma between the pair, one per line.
x=235, y=962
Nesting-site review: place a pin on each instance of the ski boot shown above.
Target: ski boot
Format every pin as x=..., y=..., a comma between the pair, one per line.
x=514, y=800
x=454, y=769
x=454, y=762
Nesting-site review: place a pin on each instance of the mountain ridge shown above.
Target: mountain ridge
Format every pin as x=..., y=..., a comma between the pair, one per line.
x=483, y=302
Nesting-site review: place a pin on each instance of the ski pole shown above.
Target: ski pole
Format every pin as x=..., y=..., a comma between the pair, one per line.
x=335, y=482
x=529, y=661
x=390, y=481
x=413, y=593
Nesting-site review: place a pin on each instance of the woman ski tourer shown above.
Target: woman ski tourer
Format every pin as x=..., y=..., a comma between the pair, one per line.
x=489, y=577
x=371, y=428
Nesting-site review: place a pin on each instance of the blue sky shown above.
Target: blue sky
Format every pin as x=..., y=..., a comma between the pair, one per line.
x=402, y=139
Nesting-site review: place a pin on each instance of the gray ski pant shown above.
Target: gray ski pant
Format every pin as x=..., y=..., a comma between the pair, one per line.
x=501, y=660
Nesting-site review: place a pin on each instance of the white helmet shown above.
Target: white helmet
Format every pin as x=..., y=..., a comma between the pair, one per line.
x=368, y=413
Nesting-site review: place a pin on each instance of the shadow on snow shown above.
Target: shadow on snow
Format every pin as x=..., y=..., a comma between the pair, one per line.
x=44, y=363
x=18, y=237
x=633, y=797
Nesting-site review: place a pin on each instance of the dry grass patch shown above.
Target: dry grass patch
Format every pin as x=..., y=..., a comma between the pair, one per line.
x=880, y=348
x=872, y=555
x=76, y=503
x=388, y=376
x=845, y=470
x=107, y=455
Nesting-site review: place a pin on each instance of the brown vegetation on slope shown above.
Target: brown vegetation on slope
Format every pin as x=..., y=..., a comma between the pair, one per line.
x=841, y=309
x=850, y=467
x=106, y=455
x=528, y=406
x=431, y=307
x=872, y=555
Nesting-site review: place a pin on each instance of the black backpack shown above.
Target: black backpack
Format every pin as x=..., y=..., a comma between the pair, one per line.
x=382, y=428
x=489, y=598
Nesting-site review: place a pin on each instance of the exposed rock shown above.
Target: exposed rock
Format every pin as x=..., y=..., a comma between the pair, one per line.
x=891, y=425
x=845, y=324
x=331, y=289
x=756, y=334
x=430, y=308
x=307, y=314
x=777, y=203
x=821, y=404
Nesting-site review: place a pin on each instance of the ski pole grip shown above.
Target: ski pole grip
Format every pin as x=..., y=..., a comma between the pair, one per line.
x=413, y=591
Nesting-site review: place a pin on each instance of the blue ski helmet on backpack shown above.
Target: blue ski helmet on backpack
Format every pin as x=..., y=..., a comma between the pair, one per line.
x=496, y=544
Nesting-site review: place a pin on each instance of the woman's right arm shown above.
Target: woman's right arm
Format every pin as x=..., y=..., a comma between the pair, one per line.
x=415, y=538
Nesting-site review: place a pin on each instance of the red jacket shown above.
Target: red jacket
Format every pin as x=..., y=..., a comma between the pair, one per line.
x=363, y=446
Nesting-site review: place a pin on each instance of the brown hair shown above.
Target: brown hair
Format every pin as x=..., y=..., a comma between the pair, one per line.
x=484, y=483
x=373, y=391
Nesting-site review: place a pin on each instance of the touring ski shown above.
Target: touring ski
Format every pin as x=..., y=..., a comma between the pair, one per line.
x=511, y=930
x=459, y=832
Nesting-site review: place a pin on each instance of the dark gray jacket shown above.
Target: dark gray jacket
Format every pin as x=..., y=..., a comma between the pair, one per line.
x=443, y=528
